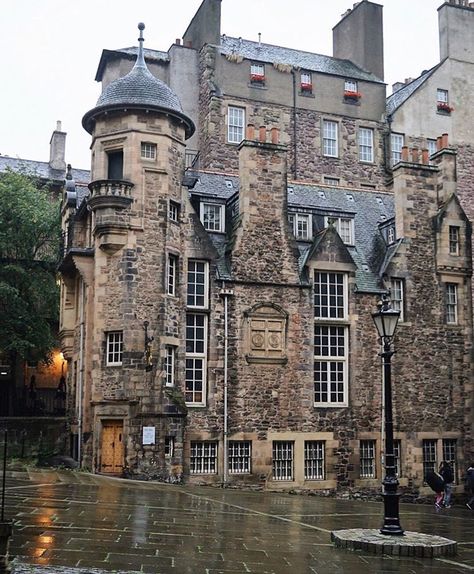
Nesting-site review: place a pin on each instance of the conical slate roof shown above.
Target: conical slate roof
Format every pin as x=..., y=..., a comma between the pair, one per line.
x=139, y=89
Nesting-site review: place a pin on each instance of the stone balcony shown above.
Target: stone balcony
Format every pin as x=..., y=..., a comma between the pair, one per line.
x=110, y=194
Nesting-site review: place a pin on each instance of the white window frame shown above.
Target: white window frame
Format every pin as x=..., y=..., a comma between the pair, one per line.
x=215, y=223
x=344, y=227
x=314, y=459
x=351, y=86
x=283, y=460
x=391, y=237
x=335, y=181
x=240, y=456
x=235, y=124
x=203, y=457
x=397, y=296
x=306, y=79
x=169, y=365
x=257, y=69
x=196, y=359
x=450, y=454
x=368, y=462
x=148, y=151
x=430, y=455
x=330, y=138
x=197, y=281
x=454, y=239
x=173, y=211
x=432, y=146
x=169, y=446
x=114, y=349
x=331, y=339
x=397, y=141
x=366, y=145
x=452, y=303
x=171, y=274
x=442, y=96
x=301, y=224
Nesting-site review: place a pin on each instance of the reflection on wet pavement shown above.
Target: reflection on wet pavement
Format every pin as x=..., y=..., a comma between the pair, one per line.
x=72, y=522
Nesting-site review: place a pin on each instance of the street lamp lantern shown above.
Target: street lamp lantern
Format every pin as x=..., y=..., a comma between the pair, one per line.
x=386, y=320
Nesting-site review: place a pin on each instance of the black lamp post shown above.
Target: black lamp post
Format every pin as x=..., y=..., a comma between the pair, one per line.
x=386, y=319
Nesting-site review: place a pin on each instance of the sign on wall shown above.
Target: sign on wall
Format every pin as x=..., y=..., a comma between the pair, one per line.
x=148, y=435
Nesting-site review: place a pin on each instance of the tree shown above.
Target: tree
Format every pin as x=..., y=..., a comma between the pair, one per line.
x=30, y=232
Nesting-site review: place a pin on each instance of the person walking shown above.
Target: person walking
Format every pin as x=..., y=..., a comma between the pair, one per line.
x=446, y=471
x=470, y=486
x=436, y=482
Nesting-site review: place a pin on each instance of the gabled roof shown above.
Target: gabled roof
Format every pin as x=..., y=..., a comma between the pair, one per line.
x=395, y=100
x=368, y=208
x=42, y=169
x=305, y=60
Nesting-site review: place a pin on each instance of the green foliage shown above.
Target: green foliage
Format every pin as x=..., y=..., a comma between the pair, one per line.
x=30, y=232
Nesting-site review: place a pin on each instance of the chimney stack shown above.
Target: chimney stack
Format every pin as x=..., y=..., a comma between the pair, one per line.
x=57, y=149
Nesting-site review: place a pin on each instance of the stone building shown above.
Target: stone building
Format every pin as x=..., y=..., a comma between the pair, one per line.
x=217, y=320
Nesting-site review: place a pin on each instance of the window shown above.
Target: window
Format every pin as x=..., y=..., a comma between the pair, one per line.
x=169, y=446
x=314, y=460
x=331, y=342
x=239, y=456
x=114, y=348
x=283, y=460
x=432, y=147
x=148, y=150
x=173, y=212
x=212, y=216
x=301, y=224
x=450, y=454
x=235, y=124
x=367, y=459
x=396, y=142
x=168, y=366
x=331, y=181
x=442, y=101
x=197, y=287
x=172, y=274
x=366, y=145
x=397, y=296
x=330, y=140
x=257, y=74
x=115, y=164
x=429, y=456
x=451, y=303
x=306, y=82
x=329, y=296
x=196, y=354
x=203, y=457
x=350, y=86
x=453, y=240
x=391, y=234
x=344, y=226
x=397, y=451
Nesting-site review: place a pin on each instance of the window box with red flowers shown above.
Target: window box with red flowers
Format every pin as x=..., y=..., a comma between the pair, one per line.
x=353, y=96
x=444, y=107
x=257, y=78
x=306, y=87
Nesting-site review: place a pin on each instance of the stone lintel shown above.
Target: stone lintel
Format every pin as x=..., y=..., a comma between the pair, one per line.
x=410, y=544
x=414, y=165
x=262, y=145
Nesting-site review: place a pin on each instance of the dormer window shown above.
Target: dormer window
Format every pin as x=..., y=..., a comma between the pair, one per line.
x=391, y=235
x=453, y=240
x=301, y=225
x=344, y=226
x=257, y=74
x=212, y=216
x=306, y=83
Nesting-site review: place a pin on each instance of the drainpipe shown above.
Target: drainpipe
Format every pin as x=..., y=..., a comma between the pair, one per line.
x=80, y=379
x=388, y=147
x=226, y=293
x=295, y=164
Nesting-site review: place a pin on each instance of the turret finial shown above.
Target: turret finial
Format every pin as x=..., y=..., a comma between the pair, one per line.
x=140, y=58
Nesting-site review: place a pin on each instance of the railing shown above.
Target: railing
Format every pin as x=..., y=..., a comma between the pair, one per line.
x=45, y=402
x=111, y=187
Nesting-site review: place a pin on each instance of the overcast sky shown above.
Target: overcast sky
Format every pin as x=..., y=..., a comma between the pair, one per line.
x=51, y=48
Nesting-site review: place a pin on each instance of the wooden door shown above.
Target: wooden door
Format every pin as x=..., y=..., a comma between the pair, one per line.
x=112, y=447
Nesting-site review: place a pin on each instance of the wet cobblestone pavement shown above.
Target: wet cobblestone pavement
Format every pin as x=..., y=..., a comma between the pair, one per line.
x=75, y=523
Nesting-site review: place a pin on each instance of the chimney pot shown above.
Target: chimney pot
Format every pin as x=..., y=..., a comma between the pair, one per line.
x=444, y=141
x=404, y=153
x=425, y=156
x=178, y=42
x=262, y=134
x=275, y=135
x=250, y=135
x=415, y=155
x=438, y=143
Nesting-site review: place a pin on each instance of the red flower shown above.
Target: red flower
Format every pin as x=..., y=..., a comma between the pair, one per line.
x=257, y=78
x=352, y=95
x=306, y=87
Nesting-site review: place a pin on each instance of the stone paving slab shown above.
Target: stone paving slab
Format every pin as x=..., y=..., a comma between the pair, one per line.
x=74, y=523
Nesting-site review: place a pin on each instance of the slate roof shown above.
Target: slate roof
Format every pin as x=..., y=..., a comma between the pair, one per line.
x=395, y=100
x=369, y=208
x=305, y=60
x=42, y=169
